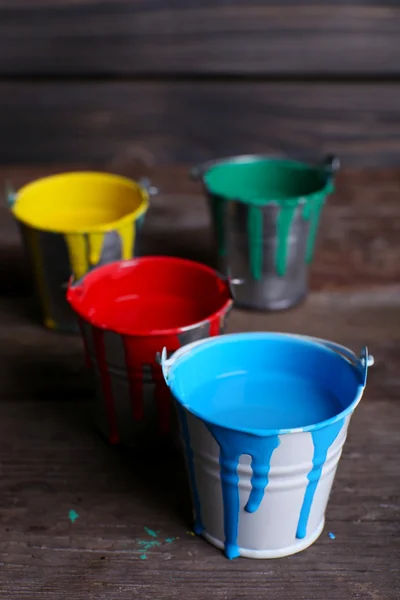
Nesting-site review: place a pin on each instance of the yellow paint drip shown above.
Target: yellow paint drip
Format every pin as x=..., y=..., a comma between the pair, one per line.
x=127, y=235
x=85, y=249
x=78, y=253
x=83, y=207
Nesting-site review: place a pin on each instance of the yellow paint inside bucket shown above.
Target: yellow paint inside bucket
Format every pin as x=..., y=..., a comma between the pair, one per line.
x=83, y=207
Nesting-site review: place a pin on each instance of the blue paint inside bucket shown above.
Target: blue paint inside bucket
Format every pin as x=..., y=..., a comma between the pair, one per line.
x=250, y=389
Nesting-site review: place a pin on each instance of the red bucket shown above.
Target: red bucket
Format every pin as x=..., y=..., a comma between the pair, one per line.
x=128, y=311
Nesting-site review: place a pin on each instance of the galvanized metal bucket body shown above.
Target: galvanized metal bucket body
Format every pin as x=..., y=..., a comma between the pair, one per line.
x=277, y=505
x=133, y=403
x=54, y=255
x=267, y=244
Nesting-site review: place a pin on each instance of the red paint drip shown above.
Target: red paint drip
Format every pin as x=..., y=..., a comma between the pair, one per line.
x=214, y=327
x=88, y=360
x=162, y=397
x=135, y=379
x=100, y=350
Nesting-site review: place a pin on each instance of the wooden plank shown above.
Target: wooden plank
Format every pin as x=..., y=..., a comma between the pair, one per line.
x=357, y=245
x=253, y=38
x=54, y=462
x=168, y=122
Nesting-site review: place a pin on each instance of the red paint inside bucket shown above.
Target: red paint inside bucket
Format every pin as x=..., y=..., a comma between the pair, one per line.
x=147, y=295
x=150, y=302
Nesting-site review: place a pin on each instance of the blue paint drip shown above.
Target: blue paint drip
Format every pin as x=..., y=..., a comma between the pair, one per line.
x=232, y=445
x=332, y=536
x=198, y=525
x=323, y=439
x=260, y=465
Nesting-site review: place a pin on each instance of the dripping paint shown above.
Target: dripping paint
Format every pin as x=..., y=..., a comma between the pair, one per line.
x=256, y=244
x=232, y=445
x=255, y=237
x=144, y=323
x=281, y=401
x=312, y=212
x=322, y=439
x=85, y=249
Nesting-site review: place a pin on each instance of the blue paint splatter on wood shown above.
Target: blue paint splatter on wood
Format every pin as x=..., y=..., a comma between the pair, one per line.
x=332, y=535
x=151, y=532
x=147, y=545
x=73, y=515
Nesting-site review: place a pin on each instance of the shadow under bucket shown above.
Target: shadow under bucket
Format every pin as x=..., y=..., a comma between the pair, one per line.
x=263, y=418
x=71, y=223
x=265, y=214
x=129, y=310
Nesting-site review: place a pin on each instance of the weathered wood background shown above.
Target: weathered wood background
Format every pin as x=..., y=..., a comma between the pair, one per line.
x=167, y=81
x=53, y=461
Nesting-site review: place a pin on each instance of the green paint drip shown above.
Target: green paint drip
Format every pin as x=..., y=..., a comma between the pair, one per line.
x=312, y=212
x=255, y=236
x=218, y=214
x=283, y=225
x=143, y=556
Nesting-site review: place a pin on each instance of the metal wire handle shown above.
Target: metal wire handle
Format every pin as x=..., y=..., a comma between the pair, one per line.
x=10, y=194
x=361, y=363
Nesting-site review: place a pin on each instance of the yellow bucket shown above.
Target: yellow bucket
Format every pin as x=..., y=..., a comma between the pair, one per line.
x=71, y=223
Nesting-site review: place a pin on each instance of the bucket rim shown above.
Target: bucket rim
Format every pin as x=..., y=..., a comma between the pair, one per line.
x=359, y=363
x=329, y=167
x=99, y=175
x=98, y=272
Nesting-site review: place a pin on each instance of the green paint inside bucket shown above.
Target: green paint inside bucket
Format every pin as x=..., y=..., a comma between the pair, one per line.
x=259, y=182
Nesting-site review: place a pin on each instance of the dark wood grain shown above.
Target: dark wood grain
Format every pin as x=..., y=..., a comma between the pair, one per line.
x=358, y=243
x=52, y=460
x=251, y=38
x=187, y=122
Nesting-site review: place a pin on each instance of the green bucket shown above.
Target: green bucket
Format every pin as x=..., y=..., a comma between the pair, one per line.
x=265, y=214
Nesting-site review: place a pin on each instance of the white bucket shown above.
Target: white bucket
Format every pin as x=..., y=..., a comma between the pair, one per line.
x=262, y=493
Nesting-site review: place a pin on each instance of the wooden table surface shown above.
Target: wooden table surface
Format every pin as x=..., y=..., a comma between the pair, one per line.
x=53, y=462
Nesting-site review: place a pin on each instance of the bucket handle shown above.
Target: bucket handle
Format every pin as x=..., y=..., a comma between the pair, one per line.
x=330, y=164
x=231, y=282
x=146, y=184
x=10, y=194
x=167, y=362
x=361, y=363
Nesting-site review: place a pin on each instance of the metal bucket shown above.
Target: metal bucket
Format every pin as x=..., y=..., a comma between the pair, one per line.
x=265, y=214
x=130, y=310
x=72, y=222
x=264, y=418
